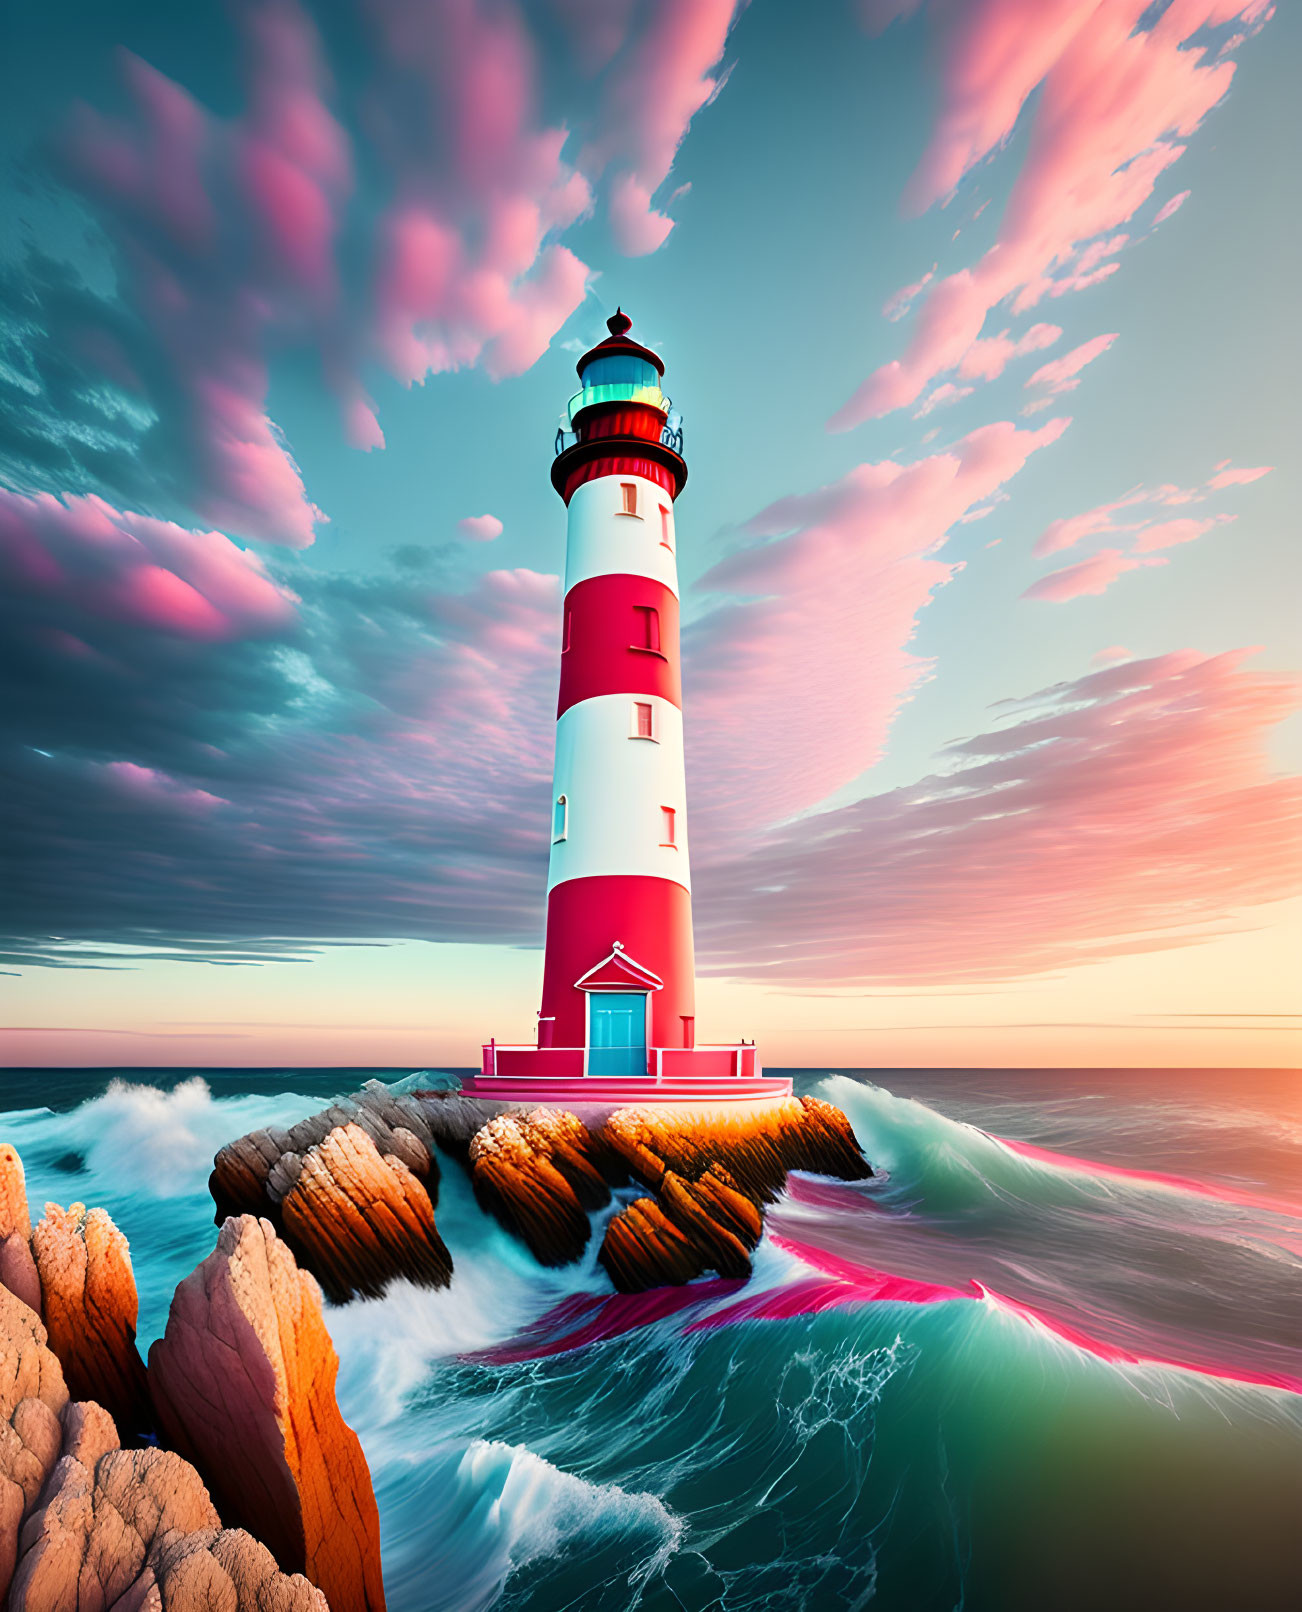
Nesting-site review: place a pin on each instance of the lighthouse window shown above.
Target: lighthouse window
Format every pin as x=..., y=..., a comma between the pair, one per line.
x=620, y=369
x=565, y=635
x=560, y=819
x=648, y=636
x=666, y=531
x=643, y=721
x=668, y=831
x=628, y=492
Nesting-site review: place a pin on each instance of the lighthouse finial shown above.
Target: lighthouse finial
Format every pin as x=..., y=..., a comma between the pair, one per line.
x=619, y=323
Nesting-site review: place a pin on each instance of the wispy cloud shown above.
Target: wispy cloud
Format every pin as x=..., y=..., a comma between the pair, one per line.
x=1119, y=87
x=1130, y=811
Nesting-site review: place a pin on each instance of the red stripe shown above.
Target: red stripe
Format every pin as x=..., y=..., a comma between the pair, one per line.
x=606, y=630
x=618, y=464
x=633, y=420
x=651, y=918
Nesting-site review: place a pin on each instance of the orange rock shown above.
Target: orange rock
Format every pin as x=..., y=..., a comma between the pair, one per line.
x=357, y=1219
x=709, y=1217
x=89, y=1293
x=243, y=1383
x=17, y=1267
x=14, y=1213
x=32, y=1398
x=535, y=1173
x=756, y=1142
x=643, y=1248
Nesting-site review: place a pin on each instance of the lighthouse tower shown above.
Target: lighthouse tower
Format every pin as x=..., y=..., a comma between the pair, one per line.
x=618, y=1015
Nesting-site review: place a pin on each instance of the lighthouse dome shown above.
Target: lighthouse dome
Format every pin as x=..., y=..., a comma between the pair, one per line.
x=619, y=360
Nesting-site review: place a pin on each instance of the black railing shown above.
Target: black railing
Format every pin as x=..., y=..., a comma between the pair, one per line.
x=670, y=437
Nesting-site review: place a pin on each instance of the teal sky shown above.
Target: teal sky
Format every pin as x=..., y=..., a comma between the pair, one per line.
x=765, y=300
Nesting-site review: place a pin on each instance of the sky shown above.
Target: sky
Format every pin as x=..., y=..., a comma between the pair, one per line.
x=982, y=319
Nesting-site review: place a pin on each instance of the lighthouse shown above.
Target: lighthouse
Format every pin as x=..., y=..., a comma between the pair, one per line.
x=618, y=1014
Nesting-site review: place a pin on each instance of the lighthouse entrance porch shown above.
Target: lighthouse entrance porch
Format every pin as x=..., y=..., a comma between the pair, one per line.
x=617, y=1033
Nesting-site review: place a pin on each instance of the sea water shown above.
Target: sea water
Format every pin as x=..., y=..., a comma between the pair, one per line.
x=1049, y=1357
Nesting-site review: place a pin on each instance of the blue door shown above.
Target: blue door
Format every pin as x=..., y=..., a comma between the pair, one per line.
x=616, y=1033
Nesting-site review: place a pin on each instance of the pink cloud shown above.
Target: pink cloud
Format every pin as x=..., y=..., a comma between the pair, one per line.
x=1067, y=532
x=1091, y=576
x=1237, y=478
x=283, y=172
x=839, y=574
x=467, y=267
x=482, y=528
x=899, y=302
x=1113, y=100
x=1062, y=374
x=1132, y=810
x=159, y=788
x=941, y=397
x=1167, y=534
x=1111, y=656
x=1176, y=202
x=989, y=356
x=655, y=88
x=81, y=557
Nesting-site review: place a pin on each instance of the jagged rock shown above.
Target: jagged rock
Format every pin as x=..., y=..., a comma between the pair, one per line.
x=757, y=1143
x=17, y=1267
x=707, y=1214
x=711, y=1171
x=90, y=1306
x=135, y=1531
x=534, y=1172
x=90, y=1542
x=357, y=1218
x=688, y=1228
x=643, y=1248
x=220, y=1572
x=33, y=1395
x=243, y=1383
x=824, y=1143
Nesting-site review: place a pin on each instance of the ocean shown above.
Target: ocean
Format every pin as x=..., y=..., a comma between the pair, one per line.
x=1050, y=1357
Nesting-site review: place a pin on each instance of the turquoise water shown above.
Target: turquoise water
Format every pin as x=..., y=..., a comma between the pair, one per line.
x=1089, y=1422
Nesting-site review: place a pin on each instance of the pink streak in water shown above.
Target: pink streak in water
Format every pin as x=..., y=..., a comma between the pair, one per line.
x=590, y=1317
x=1116, y=1355
x=1156, y=1178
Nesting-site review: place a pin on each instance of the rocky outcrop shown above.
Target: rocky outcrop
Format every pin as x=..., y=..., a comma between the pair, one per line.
x=17, y=1267
x=87, y=1525
x=535, y=1172
x=358, y=1218
x=345, y=1185
x=33, y=1395
x=711, y=1171
x=88, y=1291
x=758, y=1143
x=135, y=1531
x=320, y=1171
x=688, y=1228
x=243, y=1384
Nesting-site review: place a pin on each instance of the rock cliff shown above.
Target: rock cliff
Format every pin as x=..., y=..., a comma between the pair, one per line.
x=344, y=1184
x=380, y=1190
x=85, y=1525
x=243, y=1385
x=17, y=1267
x=536, y=1173
x=88, y=1294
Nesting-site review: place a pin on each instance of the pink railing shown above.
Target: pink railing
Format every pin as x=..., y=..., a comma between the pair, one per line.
x=503, y=1061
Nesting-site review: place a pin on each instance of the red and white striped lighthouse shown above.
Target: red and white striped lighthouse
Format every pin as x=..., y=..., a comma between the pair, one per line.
x=618, y=1009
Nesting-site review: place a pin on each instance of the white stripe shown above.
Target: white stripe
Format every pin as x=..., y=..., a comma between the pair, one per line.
x=602, y=541
x=614, y=786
